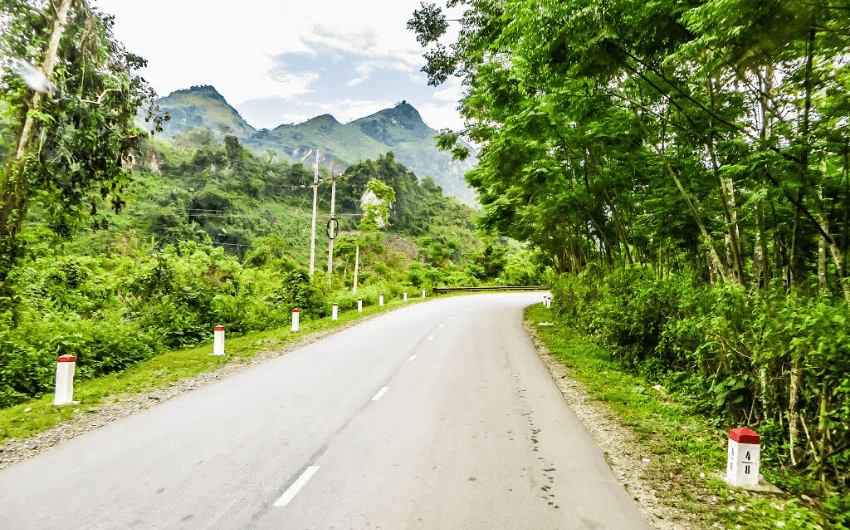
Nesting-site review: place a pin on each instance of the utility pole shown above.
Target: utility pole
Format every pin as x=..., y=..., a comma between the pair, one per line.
x=332, y=226
x=356, y=265
x=315, y=187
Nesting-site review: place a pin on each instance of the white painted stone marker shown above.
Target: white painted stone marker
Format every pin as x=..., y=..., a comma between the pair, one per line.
x=742, y=464
x=335, y=312
x=359, y=305
x=218, y=340
x=423, y=293
x=296, y=316
x=405, y=296
x=381, y=299
x=65, y=366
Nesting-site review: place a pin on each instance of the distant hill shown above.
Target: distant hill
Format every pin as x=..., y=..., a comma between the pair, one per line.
x=398, y=129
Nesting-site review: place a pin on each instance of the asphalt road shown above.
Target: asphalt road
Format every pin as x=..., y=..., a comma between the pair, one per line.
x=435, y=416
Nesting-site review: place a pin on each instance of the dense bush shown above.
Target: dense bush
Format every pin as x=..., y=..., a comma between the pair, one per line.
x=217, y=236
x=773, y=360
x=111, y=312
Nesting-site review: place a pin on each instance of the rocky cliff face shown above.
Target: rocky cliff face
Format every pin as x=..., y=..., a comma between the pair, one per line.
x=399, y=129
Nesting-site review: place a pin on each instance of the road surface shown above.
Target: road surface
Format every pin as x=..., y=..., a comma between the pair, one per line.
x=436, y=416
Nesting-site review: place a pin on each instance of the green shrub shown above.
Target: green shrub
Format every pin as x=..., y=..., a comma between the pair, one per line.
x=738, y=357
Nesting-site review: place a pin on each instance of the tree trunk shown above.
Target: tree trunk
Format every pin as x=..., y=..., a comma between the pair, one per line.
x=822, y=243
x=716, y=268
x=727, y=200
x=727, y=195
x=15, y=184
x=761, y=263
x=793, y=416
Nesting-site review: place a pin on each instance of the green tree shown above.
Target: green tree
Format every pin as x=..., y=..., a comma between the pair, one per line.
x=379, y=211
x=71, y=97
x=665, y=133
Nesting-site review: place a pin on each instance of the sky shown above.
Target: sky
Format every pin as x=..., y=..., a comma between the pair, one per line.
x=285, y=61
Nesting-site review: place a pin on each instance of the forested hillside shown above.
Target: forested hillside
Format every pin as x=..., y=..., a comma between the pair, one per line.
x=685, y=167
x=217, y=235
x=399, y=130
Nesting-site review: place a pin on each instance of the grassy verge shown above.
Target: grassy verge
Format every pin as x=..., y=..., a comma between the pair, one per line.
x=689, y=454
x=161, y=371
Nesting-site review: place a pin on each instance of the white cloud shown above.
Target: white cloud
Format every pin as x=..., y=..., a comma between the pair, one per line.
x=236, y=46
x=293, y=84
x=441, y=116
x=355, y=109
x=452, y=92
x=366, y=68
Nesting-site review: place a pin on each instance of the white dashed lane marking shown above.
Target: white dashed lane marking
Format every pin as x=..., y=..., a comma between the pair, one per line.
x=380, y=393
x=296, y=487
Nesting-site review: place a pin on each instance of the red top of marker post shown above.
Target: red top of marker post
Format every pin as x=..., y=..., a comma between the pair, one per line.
x=219, y=328
x=744, y=435
x=296, y=310
x=336, y=303
x=66, y=359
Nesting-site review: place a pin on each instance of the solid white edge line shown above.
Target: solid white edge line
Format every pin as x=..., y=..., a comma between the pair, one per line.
x=295, y=488
x=412, y=357
x=380, y=393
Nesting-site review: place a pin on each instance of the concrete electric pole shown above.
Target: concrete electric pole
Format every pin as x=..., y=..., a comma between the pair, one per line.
x=315, y=187
x=332, y=228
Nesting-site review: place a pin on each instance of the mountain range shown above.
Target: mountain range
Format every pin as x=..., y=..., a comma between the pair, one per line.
x=399, y=129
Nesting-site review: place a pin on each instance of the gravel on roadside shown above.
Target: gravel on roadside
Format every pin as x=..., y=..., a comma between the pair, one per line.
x=120, y=406
x=623, y=453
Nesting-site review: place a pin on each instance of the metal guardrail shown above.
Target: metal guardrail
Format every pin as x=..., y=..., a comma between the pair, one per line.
x=443, y=290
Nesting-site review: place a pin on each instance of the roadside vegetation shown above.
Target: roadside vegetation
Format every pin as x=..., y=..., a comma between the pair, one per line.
x=121, y=248
x=686, y=448
x=169, y=367
x=222, y=238
x=684, y=169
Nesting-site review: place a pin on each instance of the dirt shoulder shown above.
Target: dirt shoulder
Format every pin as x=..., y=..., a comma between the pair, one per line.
x=115, y=407
x=622, y=451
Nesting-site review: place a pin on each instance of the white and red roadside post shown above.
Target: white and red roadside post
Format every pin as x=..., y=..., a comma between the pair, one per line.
x=65, y=366
x=296, y=314
x=381, y=299
x=405, y=296
x=218, y=341
x=335, y=312
x=359, y=305
x=742, y=464
x=423, y=293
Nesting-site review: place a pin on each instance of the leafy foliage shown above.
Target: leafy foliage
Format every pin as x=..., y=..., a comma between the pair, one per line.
x=687, y=165
x=71, y=120
x=211, y=234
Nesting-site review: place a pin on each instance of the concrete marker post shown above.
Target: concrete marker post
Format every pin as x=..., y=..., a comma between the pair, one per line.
x=381, y=299
x=405, y=296
x=335, y=312
x=296, y=317
x=423, y=293
x=218, y=341
x=743, y=457
x=64, y=392
x=359, y=305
